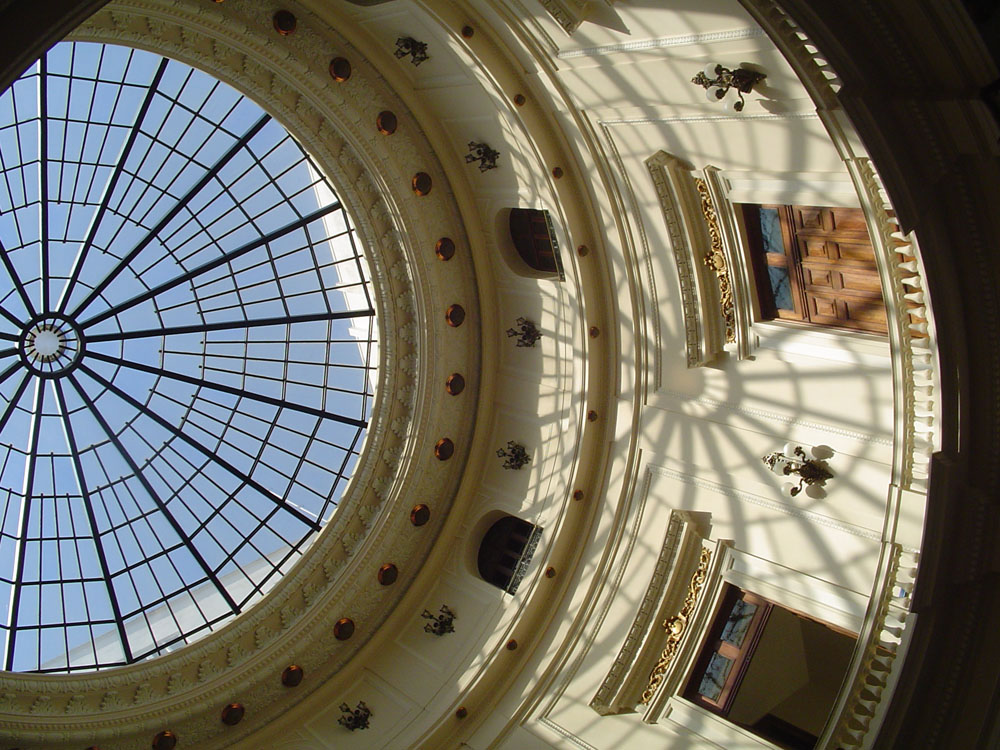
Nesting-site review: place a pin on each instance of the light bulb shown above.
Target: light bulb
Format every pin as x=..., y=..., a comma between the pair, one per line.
x=710, y=71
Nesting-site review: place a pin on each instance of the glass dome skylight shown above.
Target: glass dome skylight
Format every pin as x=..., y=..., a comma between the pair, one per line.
x=187, y=356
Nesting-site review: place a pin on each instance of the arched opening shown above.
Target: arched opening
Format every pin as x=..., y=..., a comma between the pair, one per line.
x=534, y=238
x=506, y=551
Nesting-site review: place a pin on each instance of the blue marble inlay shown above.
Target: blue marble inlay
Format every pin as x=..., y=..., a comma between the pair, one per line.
x=770, y=230
x=780, y=287
x=715, y=676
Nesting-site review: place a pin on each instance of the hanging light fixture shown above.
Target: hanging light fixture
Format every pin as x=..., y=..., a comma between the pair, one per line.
x=792, y=460
x=719, y=80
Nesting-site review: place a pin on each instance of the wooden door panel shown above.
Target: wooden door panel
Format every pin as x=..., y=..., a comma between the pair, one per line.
x=811, y=219
x=861, y=281
x=854, y=252
x=816, y=248
x=817, y=276
x=832, y=278
x=849, y=221
x=823, y=309
x=865, y=314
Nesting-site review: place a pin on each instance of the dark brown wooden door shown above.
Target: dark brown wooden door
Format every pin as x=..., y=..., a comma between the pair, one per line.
x=816, y=264
x=840, y=281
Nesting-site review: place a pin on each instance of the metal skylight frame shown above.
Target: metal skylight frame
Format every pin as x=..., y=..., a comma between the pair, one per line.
x=209, y=400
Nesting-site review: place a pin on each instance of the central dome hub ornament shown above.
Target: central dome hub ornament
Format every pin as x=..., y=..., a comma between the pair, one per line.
x=50, y=345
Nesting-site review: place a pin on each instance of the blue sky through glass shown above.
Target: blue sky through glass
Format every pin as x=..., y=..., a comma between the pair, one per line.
x=187, y=353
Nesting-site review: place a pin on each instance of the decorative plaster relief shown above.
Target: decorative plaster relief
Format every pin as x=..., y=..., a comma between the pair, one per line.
x=620, y=690
x=682, y=210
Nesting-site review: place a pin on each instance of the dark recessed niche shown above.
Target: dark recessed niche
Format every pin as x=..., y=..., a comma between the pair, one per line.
x=462, y=712
x=165, y=740
x=232, y=714
x=557, y=172
x=582, y=250
x=292, y=675
x=445, y=248
x=578, y=495
x=468, y=31
x=343, y=629
x=420, y=515
x=444, y=449
x=594, y=332
x=550, y=572
x=386, y=122
x=591, y=416
x=388, y=574
x=511, y=644
x=455, y=383
x=284, y=22
x=455, y=315
x=340, y=69
x=519, y=99
x=421, y=183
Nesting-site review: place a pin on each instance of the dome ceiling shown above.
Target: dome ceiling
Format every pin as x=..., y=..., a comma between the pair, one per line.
x=193, y=356
x=209, y=370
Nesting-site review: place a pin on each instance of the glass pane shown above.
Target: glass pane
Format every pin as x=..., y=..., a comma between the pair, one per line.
x=715, y=677
x=780, y=287
x=770, y=231
x=191, y=357
x=738, y=623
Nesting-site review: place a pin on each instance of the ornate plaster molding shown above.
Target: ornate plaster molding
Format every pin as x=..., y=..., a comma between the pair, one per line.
x=122, y=708
x=616, y=693
x=683, y=213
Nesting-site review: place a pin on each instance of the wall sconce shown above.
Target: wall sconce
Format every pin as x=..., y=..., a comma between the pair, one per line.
x=441, y=623
x=525, y=331
x=718, y=81
x=516, y=457
x=810, y=471
x=356, y=718
x=407, y=45
x=486, y=156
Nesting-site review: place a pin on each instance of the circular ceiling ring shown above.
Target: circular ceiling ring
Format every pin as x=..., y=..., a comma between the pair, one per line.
x=236, y=43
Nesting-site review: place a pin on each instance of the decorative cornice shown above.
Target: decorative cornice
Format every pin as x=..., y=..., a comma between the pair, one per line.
x=690, y=306
x=860, y=437
x=678, y=40
x=634, y=217
x=711, y=118
x=642, y=624
x=763, y=502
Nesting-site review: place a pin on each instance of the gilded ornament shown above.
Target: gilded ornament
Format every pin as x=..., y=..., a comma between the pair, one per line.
x=676, y=626
x=715, y=260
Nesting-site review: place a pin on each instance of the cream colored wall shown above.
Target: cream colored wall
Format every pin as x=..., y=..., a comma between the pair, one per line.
x=677, y=438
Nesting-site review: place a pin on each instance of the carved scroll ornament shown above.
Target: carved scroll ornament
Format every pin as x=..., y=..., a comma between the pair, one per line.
x=676, y=627
x=716, y=260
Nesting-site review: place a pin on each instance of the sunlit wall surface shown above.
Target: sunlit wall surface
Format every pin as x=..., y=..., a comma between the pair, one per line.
x=187, y=356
